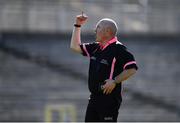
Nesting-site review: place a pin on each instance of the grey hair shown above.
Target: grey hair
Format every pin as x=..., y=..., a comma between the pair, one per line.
x=109, y=23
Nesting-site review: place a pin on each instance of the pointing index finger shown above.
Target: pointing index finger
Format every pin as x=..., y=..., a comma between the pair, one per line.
x=82, y=14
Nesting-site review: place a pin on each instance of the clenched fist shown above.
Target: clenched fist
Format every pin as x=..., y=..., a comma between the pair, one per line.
x=81, y=19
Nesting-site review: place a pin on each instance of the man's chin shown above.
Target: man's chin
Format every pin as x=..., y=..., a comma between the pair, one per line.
x=97, y=40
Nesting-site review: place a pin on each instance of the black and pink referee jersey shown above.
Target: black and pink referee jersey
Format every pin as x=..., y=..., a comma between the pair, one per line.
x=106, y=62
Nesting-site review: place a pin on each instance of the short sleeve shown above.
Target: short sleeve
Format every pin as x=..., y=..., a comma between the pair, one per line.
x=126, y=58
x=88, y=48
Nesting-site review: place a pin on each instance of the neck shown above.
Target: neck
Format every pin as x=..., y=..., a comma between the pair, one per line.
x=105, y=41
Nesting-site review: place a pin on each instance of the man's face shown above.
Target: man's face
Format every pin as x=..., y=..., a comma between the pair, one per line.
x=99, y=33
x=102, y=32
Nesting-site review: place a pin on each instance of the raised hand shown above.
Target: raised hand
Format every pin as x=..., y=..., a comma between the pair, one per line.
x=81, y=19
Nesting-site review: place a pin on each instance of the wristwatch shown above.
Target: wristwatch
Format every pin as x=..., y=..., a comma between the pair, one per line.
x=77, y=25
x=115, y=81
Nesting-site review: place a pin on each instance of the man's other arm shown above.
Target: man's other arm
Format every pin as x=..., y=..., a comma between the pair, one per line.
x=110, y=84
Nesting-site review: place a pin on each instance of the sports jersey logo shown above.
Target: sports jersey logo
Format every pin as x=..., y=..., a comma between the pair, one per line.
x=104, y=61
x=108, y=118
x=93, y=58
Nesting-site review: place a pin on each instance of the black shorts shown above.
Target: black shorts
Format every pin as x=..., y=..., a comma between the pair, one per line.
x=102, y=109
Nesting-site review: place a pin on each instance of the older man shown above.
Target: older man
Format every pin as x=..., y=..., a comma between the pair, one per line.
x=110, y=65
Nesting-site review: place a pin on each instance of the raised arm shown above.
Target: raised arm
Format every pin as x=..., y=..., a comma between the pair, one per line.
x=76, y=34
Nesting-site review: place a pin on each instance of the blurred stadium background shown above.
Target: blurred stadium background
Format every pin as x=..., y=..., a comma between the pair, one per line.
x=42, y=80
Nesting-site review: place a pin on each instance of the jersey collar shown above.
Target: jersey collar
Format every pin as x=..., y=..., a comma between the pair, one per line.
x=108, y=43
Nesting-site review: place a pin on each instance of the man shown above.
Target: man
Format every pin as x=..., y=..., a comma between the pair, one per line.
x=110, y=65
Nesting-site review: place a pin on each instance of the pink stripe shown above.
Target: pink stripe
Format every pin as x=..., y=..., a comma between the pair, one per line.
x=109, y=42
x=129, y=63
x=84, y=47
x=112, y=68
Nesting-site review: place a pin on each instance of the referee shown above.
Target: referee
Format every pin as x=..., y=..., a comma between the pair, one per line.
x=110, y=64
